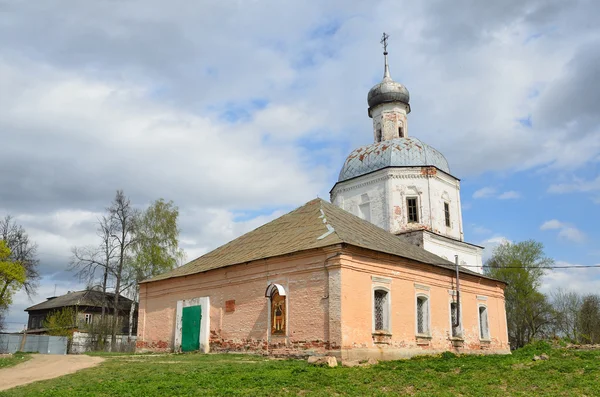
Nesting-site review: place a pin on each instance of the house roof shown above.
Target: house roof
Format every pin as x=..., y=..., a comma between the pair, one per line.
x=314, y=225
x=79, y=298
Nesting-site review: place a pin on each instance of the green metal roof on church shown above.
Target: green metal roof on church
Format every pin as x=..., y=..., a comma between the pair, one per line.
x=316, y=224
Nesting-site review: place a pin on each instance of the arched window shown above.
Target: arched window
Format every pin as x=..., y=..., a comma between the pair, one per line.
x=484, y=331
x=381, y=310
x=422, y=315
x=277, y=298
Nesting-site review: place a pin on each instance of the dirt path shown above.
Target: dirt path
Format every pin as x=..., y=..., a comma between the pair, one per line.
x=44, y=366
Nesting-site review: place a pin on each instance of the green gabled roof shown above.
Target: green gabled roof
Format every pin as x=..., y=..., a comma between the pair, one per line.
x=316, y=224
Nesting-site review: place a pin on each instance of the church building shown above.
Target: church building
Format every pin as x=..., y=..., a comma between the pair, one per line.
x=382, y=271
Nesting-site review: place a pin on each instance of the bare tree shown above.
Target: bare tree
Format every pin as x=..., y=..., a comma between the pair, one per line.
x=91, y=262
x=567, y=306
x=589, y=319
x=123, y=218
x=22, y=251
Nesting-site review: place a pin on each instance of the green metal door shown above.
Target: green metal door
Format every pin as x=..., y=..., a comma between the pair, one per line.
x=190, y=328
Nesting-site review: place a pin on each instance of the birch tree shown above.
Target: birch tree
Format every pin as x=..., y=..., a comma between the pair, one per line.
x=156, y=246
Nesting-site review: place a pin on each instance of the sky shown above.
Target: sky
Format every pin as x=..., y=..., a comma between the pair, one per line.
x=240, y=111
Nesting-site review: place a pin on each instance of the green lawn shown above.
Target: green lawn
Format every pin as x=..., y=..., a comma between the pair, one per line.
x=14, y=359
x=566, y=373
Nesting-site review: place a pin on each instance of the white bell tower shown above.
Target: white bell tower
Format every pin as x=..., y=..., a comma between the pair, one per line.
x=402, y=184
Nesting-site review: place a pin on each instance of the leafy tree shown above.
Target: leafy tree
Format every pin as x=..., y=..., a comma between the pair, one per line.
x=12, y=278
x=133, y=245
x=156, y=246
x=22, y=252
x=522, y=265
x=61, y=322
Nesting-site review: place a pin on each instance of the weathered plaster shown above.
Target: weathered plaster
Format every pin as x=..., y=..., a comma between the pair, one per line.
x=388, y=190
x=329, y=306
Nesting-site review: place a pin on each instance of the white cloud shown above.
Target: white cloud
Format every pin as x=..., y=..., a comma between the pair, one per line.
x=481, y=230
x=572, y=234
x=580, y=280
x=551, y=225
x=490, y=244
x=579, y=185
x=566, y=231
x=484, y=192
x=509, y=195
x=490, y=192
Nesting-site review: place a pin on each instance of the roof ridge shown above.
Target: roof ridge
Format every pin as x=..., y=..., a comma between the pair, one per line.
x=330, y=228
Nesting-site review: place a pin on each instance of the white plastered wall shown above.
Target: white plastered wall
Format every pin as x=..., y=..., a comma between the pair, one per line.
x=204, y=303
x=388, y=190
x=469, y=256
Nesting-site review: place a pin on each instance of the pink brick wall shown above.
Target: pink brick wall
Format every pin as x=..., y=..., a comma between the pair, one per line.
x=303, y=276
x=406, y=279
x=329, y=297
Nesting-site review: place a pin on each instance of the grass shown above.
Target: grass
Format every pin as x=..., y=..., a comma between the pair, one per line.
x=14, y=359
x=566, y=373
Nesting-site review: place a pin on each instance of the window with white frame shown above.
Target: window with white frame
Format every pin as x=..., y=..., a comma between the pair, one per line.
x=484, y=331
x=88, y=318
x=412, y=209
x=381, y=310
x=422, y=315
x=454, y=324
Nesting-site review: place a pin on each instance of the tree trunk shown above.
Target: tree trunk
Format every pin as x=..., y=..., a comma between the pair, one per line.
x=104, y=281
x=113, y=339
x=131, y=311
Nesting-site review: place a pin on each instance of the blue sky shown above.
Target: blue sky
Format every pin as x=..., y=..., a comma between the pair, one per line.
x=242, y=111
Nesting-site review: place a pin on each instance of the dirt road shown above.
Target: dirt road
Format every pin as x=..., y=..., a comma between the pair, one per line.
x=44, y=366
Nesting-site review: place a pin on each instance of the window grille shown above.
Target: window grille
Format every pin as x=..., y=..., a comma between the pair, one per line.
x=422, y=316
x=484, y=332
x=447, y=214
x=453, y=317
x=411, y=204
x=380, y=310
